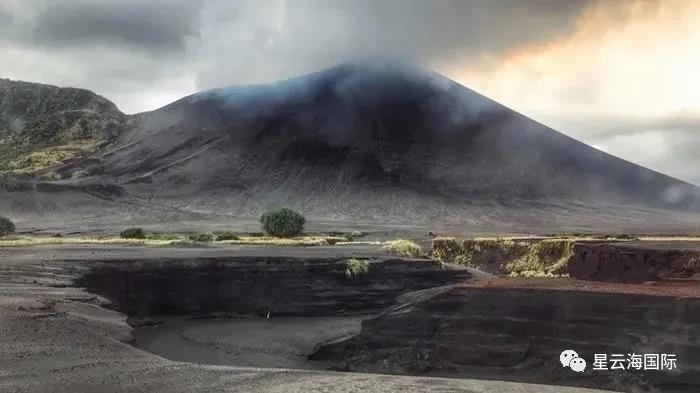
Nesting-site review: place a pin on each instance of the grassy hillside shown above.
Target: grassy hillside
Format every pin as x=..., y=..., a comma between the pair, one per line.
x=43, y=126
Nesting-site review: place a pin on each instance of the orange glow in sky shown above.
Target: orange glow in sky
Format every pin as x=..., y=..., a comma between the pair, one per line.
x=624, y=57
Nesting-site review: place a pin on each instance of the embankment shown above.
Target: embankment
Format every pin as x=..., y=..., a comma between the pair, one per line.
x=147, y=289
x=513, y=332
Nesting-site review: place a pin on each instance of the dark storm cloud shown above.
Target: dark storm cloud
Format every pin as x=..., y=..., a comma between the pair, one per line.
x=131, y=51
x=107, y=45
x=158, y=26
x=6, y=18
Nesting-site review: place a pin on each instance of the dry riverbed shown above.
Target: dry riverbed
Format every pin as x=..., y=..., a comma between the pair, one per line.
x=283, y=342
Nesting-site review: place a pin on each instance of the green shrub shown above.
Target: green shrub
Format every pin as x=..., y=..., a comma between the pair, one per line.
x=220, y=236
x=133, y=233
x=201, y=237
x=355, y=267
x=7, y=227
x=282, y=223
x=404, y=248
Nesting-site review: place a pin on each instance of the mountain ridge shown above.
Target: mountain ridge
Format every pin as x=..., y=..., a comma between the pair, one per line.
x=371, y=142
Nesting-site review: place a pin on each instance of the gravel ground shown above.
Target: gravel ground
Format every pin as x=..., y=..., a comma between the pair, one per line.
x=58, y=338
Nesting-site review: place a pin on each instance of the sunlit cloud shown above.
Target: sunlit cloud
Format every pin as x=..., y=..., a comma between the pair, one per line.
x=628, y=67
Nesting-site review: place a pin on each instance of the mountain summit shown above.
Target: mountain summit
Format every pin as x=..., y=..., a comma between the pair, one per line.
x=373, y=142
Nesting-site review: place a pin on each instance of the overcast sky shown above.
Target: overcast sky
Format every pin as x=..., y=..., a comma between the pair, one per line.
x=620, y=75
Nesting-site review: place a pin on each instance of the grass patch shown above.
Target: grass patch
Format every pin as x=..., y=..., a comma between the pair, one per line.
x=161, y=240
x=546, y=258
x=132, y=233
x=301, y=241
x=486, y=254
x=226, y=235
x=201, y=237
x=446, y=249
x=403, y=247
x=356, y=267
x=165, y=236
x=489, y=254
x=28, y=241
x=518, y=257
x=29, y=161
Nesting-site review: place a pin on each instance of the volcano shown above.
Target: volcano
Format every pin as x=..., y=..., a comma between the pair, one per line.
x=364, y=142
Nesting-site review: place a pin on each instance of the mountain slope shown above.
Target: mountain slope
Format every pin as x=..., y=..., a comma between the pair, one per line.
x=373, y=143
x=384, y=131
x=42, y=125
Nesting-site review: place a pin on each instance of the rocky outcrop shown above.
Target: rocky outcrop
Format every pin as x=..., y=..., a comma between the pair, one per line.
x=518, y=334
x=152, y=289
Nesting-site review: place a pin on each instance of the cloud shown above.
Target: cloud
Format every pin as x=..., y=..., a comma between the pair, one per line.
x=157, y=26
x=244, y=42
x=625, y=79
x=672, y=152
x=132, y=52
x=667, y=144
x=141, y=53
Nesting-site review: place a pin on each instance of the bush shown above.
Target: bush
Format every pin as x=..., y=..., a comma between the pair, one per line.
x=219, y=236
x=404, y=248
x=201, y=237
x=355, y=267
x=133, y=233
x=282, y=223
x=7, y=227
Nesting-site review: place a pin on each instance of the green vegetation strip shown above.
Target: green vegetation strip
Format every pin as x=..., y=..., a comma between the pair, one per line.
x=168, y=240
x=531, y=258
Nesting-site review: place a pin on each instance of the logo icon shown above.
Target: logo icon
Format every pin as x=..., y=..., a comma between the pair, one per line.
x=569, y=358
